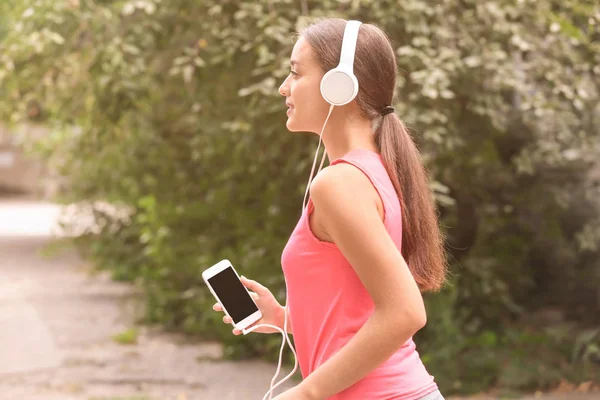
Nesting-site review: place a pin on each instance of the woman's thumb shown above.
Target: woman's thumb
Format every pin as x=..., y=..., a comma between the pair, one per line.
x=253, y=285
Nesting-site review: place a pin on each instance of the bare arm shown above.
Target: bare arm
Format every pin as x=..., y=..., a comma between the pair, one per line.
x=344, y=197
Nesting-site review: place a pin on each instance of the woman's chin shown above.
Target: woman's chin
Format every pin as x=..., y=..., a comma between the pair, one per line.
x=291, y=126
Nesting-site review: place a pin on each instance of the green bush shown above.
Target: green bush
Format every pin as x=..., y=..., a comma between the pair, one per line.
x=168, y=111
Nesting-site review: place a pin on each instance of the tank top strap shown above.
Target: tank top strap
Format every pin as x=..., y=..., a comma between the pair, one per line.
x=369, y=162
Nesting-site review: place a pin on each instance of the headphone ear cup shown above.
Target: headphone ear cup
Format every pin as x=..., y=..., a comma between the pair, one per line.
x=339, y=87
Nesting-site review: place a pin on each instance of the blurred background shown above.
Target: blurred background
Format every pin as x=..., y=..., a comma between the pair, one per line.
x=143, y=141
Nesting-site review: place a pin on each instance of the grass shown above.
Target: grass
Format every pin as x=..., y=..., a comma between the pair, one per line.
x=128, y=337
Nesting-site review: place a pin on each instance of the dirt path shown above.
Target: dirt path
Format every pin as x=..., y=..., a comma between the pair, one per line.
x=57, y=323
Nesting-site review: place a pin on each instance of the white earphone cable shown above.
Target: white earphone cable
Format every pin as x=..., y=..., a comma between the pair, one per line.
x=283, y=331
x=285, y=339
x=315, y=158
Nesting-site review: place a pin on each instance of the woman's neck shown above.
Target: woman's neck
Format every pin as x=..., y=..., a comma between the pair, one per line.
x=341, y=137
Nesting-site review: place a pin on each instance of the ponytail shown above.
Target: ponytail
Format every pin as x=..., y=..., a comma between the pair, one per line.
x=376, y=69
x=422, y=240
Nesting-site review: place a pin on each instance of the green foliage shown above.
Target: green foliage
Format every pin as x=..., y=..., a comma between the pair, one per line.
x=167, y=125
x=520, y=358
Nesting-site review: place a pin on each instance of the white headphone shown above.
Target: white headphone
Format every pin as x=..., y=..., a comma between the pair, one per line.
x=339, y=86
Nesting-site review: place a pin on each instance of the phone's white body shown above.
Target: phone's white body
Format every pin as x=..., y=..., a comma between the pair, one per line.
x=218, y=268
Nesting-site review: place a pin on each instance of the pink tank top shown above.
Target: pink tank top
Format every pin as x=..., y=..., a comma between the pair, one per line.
x=328, y=303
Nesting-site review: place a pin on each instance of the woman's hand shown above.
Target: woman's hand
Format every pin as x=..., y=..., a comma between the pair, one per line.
x=272, y=311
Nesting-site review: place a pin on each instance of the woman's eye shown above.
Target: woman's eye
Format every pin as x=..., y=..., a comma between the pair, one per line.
x=293, y=73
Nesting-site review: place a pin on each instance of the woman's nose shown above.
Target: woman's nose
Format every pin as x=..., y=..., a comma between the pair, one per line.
x=283, y=89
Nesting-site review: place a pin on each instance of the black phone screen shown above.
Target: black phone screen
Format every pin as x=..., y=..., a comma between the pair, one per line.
x=233, y=295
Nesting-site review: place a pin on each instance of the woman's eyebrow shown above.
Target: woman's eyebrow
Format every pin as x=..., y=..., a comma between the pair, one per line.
x=295, y=62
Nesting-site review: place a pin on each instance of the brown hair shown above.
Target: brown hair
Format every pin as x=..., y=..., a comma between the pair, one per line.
x=376, y=69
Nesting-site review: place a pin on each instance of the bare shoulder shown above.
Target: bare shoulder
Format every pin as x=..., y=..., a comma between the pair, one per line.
x=343, y=185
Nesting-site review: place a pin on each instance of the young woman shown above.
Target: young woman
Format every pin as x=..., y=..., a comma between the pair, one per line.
x=368, y=241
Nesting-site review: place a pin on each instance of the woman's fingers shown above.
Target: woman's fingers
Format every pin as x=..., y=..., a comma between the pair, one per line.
x=228, y=320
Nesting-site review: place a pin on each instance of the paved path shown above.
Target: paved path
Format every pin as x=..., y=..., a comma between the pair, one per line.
x=57, y=320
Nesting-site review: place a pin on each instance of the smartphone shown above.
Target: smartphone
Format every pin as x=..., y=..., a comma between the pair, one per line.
x=225, y=284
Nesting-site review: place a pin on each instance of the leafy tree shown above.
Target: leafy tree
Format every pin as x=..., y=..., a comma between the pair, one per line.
x=166, y=123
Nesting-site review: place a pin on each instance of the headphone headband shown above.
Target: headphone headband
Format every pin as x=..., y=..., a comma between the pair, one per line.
x=349, y=44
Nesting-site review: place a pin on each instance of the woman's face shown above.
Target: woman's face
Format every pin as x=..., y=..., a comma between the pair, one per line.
x=307, y=109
